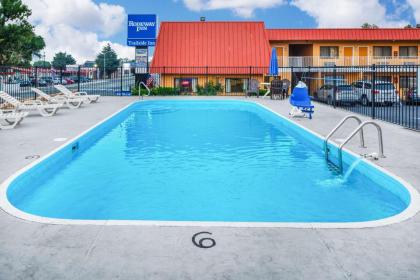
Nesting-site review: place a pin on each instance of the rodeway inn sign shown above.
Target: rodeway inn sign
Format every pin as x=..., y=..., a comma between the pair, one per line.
x=141, y=30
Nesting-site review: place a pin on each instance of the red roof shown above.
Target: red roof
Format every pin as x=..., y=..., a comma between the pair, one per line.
x=211, y=44
x=344, y=34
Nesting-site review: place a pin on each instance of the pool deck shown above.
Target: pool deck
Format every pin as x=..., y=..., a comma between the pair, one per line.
x=30, y=250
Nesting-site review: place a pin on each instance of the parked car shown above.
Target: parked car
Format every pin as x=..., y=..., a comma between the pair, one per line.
x=56, y=81
x=412, y=96
x=345, y=94
x=46, y=80
x=25, y=83
x=40, y=83
x=68, y=81
x=385, y=92
x=13, y=81
x=75, y=79
x=84, y=79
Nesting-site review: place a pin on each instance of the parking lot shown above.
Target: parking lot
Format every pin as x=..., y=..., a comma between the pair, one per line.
x=399, y=113
x=106, y=87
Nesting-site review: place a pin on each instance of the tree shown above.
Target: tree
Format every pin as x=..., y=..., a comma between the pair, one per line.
x=18, y=40
x=107, y=60
x=366, y=25
x=61, y=59
x=42, y=64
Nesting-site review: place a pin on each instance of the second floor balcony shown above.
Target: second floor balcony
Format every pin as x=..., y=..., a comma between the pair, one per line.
x=318, y=61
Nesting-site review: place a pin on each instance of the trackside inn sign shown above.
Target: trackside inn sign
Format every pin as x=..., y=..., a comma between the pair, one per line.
x=141, y=30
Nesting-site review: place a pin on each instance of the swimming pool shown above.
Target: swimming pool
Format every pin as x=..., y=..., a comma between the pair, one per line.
x=203, y=161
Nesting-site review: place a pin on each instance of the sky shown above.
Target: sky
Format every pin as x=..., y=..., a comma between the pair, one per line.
x=83, y=27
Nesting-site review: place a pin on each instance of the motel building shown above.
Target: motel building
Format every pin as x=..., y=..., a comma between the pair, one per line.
x=189, y=54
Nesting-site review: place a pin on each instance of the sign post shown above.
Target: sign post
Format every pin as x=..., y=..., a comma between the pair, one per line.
x=142, y=60
x=141, y=35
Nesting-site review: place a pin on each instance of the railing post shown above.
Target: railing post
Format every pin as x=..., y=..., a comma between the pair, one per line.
x=335, y=86
x=373, y=89
x=78, y=78
x=36, y=80
x=1, y=79
x=61, y=75
x=207, y=79
x=292, y=79
x=417, y=89
x=250, y=77
x=310, y=80
x=163, y=78
x=121, y=78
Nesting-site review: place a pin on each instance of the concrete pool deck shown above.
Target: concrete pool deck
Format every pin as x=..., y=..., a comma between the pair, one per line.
x=30, y=250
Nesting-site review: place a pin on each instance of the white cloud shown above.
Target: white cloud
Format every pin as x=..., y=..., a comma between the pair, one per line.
x=243, y=8
x=415, y=5
x=327, y=13
x=348, y=13
x=79, y=27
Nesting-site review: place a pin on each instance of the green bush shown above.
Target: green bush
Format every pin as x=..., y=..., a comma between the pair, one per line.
x=163, y=91
x=135, y=91
x=158, y=91
x=262, y=92
x=209, y=88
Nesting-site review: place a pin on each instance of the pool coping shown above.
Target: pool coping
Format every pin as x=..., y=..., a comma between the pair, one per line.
x=412, y=209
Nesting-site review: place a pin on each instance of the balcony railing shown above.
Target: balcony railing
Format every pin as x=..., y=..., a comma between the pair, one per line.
x=318, y=61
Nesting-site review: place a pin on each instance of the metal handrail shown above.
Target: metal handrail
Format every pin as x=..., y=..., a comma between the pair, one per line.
x=319, y=61
x=360, y=127
x=340, y=124
x=146, y=87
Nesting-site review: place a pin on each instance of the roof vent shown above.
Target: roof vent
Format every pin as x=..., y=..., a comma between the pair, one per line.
x=203, y=19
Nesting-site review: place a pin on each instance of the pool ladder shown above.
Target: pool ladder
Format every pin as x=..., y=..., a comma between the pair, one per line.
x=146, y=87
x=358, y=130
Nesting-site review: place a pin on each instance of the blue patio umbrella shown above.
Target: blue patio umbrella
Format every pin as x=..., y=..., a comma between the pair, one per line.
x=274, y=64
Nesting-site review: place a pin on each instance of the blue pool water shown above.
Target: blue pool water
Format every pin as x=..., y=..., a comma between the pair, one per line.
x=203, y=161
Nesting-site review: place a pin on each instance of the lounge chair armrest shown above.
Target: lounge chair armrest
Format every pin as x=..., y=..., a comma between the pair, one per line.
x=81, y=93
x=33, y=102
x=5, y=111
x=58, y=98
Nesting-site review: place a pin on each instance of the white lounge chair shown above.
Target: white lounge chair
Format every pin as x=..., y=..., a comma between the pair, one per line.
x=70, y=102
x=45, y=110
x=88, y=98
x=10, y=120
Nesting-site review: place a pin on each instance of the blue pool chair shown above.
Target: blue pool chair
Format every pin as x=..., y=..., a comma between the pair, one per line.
x=300, y=99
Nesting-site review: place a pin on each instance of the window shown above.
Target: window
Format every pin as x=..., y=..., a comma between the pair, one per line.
x=187, y=85
x=409, y=51
x=368, y=85
x=329, y=52
x=236, y=85
x=382, y=51
x=358, y=85
x=327, y=87
x=362, y=85
x=329, y=80
x=345, y=87
x=384, y=79
x=408, y=82
x=387, y=86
